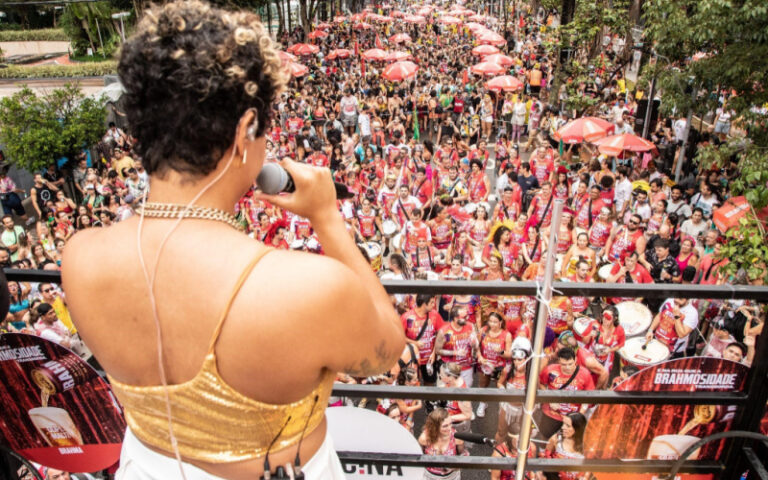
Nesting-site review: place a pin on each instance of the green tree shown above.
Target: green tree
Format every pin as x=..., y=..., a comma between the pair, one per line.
x=711, y=46
x=36, y=130
x=90, y=25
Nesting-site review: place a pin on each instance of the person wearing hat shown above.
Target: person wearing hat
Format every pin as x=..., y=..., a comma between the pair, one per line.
x=514, y=376
x=719, y=339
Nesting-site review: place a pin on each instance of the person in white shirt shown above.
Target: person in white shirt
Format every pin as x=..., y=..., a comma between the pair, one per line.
x=679, y=129
x=50, y=328
x=695, y=226
x=676, y=204
x=364, y=123
x=618, y=111
x=622, y=127
x=622, y=195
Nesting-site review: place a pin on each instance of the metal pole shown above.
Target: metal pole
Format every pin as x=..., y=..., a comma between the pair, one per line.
x=101, y=42
x=122, y=29
x=524, y=444
x=681, y=157
x=647, y=121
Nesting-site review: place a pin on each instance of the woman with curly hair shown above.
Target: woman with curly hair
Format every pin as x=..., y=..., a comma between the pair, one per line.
x=196, y=373
x=437, y=438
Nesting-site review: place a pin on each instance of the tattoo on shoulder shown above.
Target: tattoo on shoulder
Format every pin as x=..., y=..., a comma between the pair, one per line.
x=371, y=366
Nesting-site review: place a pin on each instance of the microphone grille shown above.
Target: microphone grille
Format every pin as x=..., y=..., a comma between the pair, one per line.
x=272, y=179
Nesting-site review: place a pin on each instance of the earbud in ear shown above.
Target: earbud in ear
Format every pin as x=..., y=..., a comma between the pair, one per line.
x=251, y=132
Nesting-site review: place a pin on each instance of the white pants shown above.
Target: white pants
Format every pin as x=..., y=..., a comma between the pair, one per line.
x=137, y=462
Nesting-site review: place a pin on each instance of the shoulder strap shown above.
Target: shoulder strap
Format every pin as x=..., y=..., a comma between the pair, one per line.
x=240, y=281
x=573, y=377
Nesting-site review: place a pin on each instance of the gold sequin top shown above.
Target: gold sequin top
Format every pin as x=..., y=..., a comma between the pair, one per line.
x=212, y=422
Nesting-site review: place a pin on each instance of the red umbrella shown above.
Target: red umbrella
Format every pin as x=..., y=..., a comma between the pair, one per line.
x=487, y=68
x=303, y=49
x=358, y=17
x=414, y=19
x=400, y=38
x=374, y=55
x=285, y=56
x=583, y=129
x=615, y=144
x=399, y=71
x=363, y=26
x=339, y=53
x=397, y=56
x=339, y=19
x=398, y=14
x=324, y=26
x=499, y=58
x=424, y=11
x=385, y=19
x=504, y=83
x=317, y=34
x=484, y=50
x=490, y=38
x=474, y=26
x=297, y=69
x=450, y=20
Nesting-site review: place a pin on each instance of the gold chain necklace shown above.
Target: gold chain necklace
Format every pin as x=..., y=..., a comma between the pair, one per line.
x=175, y=210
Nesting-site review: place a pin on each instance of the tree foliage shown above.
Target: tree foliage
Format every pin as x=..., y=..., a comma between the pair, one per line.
x=714, y=46
x=36, y=130
x=582, y=38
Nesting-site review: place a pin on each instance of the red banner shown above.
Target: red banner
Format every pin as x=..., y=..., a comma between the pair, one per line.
x=57, y=411
x=665, y=431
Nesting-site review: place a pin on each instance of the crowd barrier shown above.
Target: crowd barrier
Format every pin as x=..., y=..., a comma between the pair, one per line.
x=744, y=452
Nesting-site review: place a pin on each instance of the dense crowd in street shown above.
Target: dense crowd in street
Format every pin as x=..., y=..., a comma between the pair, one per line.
x=454, y=178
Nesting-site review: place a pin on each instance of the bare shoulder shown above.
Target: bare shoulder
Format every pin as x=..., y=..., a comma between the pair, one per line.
x=77, y=265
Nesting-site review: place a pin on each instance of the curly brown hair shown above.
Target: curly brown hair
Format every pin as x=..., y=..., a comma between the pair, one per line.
x=190, y=72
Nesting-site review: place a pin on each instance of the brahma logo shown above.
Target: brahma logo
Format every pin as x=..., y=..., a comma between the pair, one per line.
x=369, y=468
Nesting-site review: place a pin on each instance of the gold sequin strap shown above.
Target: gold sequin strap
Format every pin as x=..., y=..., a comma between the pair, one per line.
x=240, y=281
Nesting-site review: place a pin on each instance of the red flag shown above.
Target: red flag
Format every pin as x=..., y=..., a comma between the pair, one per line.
x=522, y=21
x=378, y=42
x=465, y=77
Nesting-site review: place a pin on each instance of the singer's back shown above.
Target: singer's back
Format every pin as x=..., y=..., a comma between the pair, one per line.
x=288, y=321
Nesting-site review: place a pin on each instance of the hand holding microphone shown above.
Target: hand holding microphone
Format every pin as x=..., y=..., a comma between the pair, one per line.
x=312, y=192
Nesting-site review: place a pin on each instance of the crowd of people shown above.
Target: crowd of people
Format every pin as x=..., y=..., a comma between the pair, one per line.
x=451, y=180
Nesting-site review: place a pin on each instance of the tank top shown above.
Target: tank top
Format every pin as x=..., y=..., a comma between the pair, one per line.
x=450, y=450
x=492, y=348
x=560, y=452
x=212, y=421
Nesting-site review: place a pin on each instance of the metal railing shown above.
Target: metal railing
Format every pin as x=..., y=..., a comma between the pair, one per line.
x=737, y=458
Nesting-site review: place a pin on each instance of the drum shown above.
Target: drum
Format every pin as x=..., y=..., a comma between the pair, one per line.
x=374, y=253
x=478, y=265
x=632, y=352
x=604, y=272
x=634, y=318
x=388, y=228
x=583, y=326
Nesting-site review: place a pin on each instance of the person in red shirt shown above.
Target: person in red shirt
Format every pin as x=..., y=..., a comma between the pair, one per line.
x=625, y=239
x=495, y=350
x=566, y=374
x=540, y=210
x=421, y=324
x=628, y=271
x=368, y=222
x=457, y=342
x=543, y=165
x=599, y=232
x=317, y=157
x=422, y=188
x=590, y=209
x=611, y=338
x=580, y=304
x=510, y=205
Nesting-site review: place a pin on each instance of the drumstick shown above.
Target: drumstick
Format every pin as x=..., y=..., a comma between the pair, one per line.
x=645, y=345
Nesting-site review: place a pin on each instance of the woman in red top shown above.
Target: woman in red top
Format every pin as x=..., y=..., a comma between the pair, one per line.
x=479, y=225
x=495, y=346
x=478, y=184
x=611, y=338
x=408, y=377
x=562, y=187
x=600, y=231
x=437, y=438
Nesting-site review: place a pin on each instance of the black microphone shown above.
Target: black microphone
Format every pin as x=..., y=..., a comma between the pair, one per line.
x=474, y=438
x=274, y=179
